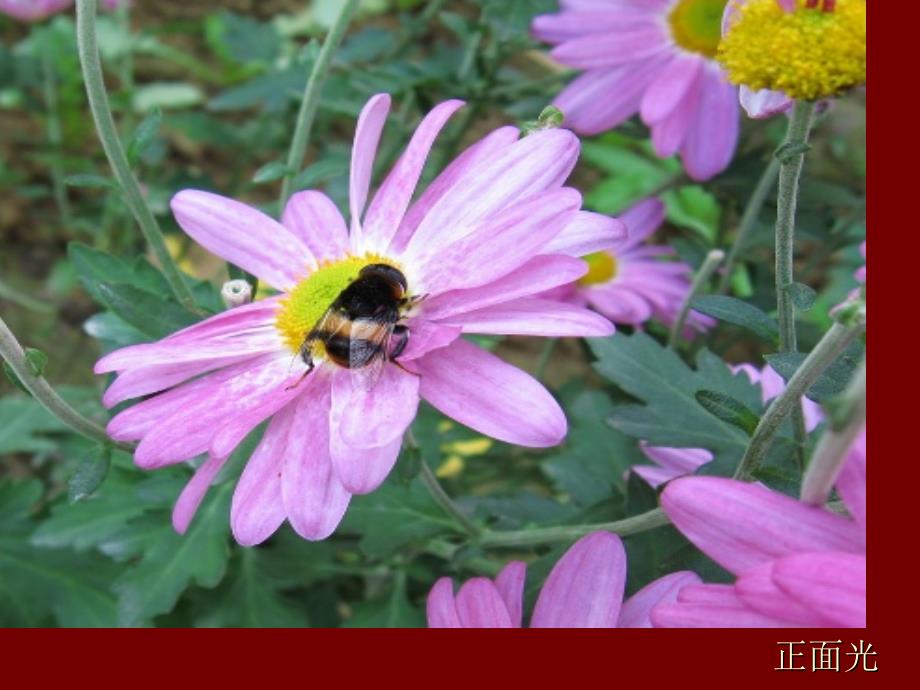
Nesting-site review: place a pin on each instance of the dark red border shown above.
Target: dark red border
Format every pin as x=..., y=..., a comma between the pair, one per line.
x=609, y=658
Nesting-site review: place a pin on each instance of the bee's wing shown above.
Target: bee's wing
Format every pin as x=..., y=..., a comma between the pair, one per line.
x=368, y=347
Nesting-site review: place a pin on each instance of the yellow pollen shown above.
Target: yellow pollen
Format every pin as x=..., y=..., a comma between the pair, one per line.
x=807, y=54
x=696, y=25
x=602, y=267
x=303, y=307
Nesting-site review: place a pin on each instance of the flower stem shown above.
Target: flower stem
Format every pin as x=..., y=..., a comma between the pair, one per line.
x=55, y=138
x=749, y=220
x=848, y=418
x=42, y=391
x=710, y=264
x=114, y=151
x=826, y=351
x=311, y=97
x=548, y=535
x=791, y=156
x=442, y=499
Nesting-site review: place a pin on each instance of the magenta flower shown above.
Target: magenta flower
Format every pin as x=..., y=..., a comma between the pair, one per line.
x=36, y=10
x=669, y=463
x=655, y=58
x=496, y=228
x=796, y=565
x=772, y=384
x=584, y=590
x=629, y=283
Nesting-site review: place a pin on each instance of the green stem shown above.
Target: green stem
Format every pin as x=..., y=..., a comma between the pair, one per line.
x=545, y=356
x=749, y=220
x=848, y=419
x=826, y=351
x=442, y=499
x=114, y=151
x=42, y=391
x=700, y=280
x=791, y=157
x=55, y=139
x=23, y=300
x=311, y=97
x=548, y=535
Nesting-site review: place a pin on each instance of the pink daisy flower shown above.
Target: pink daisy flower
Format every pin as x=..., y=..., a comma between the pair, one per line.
x=797, y=565
x=629, y=283
x=584, y=590
x=669, y=463
x=36, y=10
x=655, y=58
x=494, y=229
x=772, y=384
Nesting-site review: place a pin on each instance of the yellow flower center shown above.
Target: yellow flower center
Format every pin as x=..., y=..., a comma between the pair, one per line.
x=807, y=54
x=602, y=267
x=696, y=25
x=305, y=305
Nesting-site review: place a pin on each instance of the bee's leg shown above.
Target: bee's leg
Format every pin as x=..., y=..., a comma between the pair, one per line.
x=416, y=299
x=310, y=368
x=306, y=353
x=401, y=338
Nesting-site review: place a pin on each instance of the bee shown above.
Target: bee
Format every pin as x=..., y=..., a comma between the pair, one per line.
x=360, y=330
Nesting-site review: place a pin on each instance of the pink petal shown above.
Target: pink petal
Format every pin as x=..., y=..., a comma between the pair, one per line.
x=316, y=221
x=374, y=418
x=676, y=80
x=763, y=103
x=193, y=493
x=479, y=605
x=685, y=460
x=257, y=510
x=741, y=526
x=642, y=220
x=425, y=336
x=496, y=246
x=831, y=584
x=670, y=132
x=536, y=276
x=512, y=173
x=510, y=585
x=362, y=470
x=481, y=391
x=389, y=206
x=314, y=499
x=566, y=26
x=440, y=607
x=757, y=589
x=585, y=588
x=711, y=606
x=851, y=484
x=629, y=45
x=636, y=611
x=620, y=304
x=587, y=233
x=243, y=236
x=710, y=143
x=534, y=316
x=364, y=150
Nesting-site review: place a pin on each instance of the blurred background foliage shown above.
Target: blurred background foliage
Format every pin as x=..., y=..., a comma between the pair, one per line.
x=206, y=94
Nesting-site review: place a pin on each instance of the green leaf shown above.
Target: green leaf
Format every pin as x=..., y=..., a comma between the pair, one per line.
x=832, y=381
x=242, y=39
x=90, y=181
x=166, y=95
x=270, y=172
x=394, y=515
x=670, y=415
x=321, y=171
x=172, y=562
x=691, y=206
x=578, y=469
x=390, y=611
x=144, y=135
x=803, y=297
x=23, y=420
x=94, y=267
x=150, y=314
x=13, y=378
x=728, y=410
x=737, y=312
x=90, y=474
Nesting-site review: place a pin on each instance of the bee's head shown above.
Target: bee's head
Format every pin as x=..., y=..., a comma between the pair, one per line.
x=390, y=274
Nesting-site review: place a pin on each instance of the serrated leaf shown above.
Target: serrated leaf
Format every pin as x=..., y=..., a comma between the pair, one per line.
x=148, y=313
x=23, y=420
x=737, y=312
x=93, y=267
x=90, y=181
x=391, y=611
x=270, y=172
x=144, y=135
x=832, y=381
x=803, y=297
x=90, y=474
x=728, y=410
x=320, y=172
x=691, y=206
x=172, y=562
